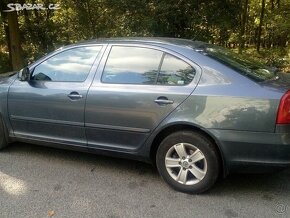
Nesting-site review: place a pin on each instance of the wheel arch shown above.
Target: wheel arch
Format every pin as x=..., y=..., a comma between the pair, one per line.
x=169, y=129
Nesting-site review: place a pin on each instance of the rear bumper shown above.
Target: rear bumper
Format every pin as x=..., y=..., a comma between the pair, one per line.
x=253, y=151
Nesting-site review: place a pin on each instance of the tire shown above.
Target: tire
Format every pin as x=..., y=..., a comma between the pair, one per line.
x=3, y=140
x=188, y=161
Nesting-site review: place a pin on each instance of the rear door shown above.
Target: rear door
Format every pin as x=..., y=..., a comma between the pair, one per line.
x=135, y=88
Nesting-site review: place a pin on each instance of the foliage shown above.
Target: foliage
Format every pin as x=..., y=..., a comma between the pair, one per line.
x=273, y=57
x=215, y=21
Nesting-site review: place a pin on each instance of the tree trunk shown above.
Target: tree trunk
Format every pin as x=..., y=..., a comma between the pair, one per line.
x=14, y=40
x=243, y=26
x=260, y=25
x=5, y=26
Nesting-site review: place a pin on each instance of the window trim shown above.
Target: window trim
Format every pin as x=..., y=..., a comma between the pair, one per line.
x=159, y=67
x=165, y=51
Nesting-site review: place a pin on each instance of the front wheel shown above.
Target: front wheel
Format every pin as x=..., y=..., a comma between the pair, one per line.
x=188, y=162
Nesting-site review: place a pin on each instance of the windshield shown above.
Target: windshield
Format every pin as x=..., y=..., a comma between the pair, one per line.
x=240, y=63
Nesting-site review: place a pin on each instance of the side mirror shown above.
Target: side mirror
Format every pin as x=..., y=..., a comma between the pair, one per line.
x=24, y=74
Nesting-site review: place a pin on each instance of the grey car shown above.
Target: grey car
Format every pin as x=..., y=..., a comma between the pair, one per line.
x=196, y=110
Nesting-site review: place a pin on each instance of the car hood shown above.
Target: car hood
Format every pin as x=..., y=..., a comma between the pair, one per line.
x=8, y=78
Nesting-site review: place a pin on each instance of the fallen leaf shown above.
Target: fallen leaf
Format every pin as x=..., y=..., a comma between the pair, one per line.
x=51, y=213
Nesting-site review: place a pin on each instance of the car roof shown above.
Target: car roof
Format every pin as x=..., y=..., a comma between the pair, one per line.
x=148, y=40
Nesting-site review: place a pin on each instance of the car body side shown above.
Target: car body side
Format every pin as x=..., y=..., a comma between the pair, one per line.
x=238, y=114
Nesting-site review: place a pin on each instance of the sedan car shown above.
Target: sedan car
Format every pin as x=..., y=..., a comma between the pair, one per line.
x=196, y=110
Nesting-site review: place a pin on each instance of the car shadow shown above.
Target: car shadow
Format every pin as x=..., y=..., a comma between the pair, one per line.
x=269, y=186
x=91, y=160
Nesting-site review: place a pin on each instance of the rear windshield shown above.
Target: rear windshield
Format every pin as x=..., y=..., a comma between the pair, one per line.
x=240, y=63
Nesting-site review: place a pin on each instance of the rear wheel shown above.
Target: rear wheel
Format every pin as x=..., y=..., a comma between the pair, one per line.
x=188, y=162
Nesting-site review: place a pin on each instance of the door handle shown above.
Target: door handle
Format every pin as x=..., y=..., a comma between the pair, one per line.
x=74, y=96
x=163, y=100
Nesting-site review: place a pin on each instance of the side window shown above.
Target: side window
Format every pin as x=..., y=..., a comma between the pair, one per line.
x=132, y=65
x=72, y=65
x=175, y=72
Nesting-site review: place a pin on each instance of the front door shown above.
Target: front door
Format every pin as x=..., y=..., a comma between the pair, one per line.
x=135, y=88
x=50, y=106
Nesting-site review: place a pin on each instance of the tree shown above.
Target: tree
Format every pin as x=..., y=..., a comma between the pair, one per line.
x=14, y=41
x=260, y=25
x=13, y=37
x=244, y=19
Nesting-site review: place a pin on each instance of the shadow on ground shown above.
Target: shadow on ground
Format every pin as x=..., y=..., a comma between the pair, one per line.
x=274, y=183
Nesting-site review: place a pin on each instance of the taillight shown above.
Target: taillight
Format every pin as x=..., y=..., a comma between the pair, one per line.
x=283, y=116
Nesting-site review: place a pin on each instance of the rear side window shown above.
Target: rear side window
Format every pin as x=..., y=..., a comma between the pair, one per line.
x=132, y=65
x=175, y=72
x=72, y=65
x=136, y=65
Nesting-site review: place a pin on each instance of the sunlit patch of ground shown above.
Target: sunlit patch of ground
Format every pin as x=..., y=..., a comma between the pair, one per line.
x=12, y=185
